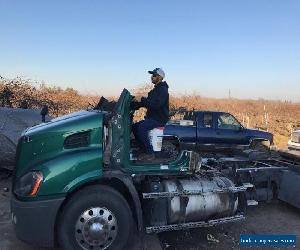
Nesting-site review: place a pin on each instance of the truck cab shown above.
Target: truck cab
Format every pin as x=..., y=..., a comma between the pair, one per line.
x=76, y=185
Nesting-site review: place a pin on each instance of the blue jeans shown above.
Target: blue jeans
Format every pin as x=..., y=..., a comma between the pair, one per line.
x=141, y=130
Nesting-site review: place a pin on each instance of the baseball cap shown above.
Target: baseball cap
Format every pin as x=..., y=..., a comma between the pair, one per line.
x=157, y=71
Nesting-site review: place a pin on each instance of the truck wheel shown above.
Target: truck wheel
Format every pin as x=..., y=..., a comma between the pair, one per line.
x=98, y=217
x=263, y=146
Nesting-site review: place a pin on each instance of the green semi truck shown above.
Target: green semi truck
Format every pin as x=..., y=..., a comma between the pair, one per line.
x=78, y=184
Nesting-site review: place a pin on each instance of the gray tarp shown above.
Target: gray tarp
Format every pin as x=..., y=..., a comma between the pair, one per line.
x=12, y=123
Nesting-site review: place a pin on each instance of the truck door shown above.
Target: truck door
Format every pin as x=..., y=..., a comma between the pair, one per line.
x=206, y=134
x=228, y=130
x=184, y=129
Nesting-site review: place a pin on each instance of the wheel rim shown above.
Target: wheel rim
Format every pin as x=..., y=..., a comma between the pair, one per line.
x=96, y=228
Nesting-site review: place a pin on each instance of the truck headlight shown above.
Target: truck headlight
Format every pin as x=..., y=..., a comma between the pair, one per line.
x=28, y=184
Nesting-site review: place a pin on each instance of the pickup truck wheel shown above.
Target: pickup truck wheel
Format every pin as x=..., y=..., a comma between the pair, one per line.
x=97, y=217
x=260, y=146
x=260, y=150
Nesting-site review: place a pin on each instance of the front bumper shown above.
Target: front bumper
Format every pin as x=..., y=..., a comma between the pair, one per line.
x=34, y=221
x=293, y=145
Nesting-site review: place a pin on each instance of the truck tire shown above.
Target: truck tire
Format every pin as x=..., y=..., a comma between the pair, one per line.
x=97, y=217
x=262, y=149
x=260, y=145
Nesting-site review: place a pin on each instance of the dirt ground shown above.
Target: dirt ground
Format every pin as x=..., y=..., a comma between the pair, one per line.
x=272, y=218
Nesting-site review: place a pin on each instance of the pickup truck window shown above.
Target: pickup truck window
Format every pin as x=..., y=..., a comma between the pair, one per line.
x=190, y=115
x=207, y=120
x=227, y=121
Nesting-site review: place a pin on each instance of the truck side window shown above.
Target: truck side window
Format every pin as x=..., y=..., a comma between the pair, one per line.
x=207, y=120
x=227, y=121
x=190, y=115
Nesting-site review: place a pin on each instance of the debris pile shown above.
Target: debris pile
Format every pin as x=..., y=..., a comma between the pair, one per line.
x=12, y=123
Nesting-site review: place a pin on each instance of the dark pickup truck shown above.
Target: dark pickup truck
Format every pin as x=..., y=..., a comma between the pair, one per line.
x=214, y=130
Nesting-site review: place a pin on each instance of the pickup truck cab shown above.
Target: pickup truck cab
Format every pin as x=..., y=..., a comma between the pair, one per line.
x=213, y=130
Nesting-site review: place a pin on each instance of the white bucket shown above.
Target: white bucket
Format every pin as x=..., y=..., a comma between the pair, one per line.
x=155, y=137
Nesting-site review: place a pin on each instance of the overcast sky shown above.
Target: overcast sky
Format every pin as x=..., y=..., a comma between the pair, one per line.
x=251, y=47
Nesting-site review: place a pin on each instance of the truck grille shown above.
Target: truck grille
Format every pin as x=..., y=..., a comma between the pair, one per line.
x=295, y=137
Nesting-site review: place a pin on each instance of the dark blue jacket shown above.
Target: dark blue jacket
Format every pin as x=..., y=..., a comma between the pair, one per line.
x=157, y=103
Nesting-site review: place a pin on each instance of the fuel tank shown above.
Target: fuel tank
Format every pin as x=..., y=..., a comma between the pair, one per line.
x=209, y=205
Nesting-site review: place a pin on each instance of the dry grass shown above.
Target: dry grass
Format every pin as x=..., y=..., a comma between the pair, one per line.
x=32, y=95
x=278, y=117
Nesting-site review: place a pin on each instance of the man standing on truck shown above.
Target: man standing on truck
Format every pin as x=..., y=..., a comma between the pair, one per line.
x=157, y=105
